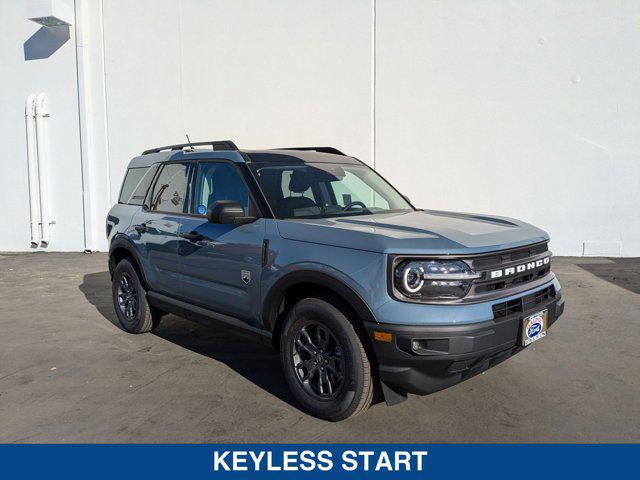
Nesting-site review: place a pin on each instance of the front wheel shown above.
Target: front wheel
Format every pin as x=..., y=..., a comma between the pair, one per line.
x=324, y=361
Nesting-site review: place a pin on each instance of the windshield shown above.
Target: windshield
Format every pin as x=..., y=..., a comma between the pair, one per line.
x=318, y=190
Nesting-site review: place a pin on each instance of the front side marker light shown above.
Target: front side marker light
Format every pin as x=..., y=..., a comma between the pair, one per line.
x=385, y=337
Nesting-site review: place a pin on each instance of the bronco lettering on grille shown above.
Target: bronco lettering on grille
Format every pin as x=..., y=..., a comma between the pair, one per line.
x=504, y=272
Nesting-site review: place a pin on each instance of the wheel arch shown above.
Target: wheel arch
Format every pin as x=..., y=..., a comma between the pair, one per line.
x=306, y=283
x=121, y=248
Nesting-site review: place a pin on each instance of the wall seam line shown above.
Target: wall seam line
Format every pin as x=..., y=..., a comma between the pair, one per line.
x=106, y=104
x=373, y=83
x=83, y=165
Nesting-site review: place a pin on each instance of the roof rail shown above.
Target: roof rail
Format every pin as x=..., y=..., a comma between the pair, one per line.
x=215, y=145
x=335, y=151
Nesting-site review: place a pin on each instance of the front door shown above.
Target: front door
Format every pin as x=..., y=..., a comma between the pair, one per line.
x=221, y=263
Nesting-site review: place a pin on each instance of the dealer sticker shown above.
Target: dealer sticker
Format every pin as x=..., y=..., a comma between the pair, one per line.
x=534, y=327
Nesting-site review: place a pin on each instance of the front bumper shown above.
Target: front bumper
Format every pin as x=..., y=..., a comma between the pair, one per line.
x=450, y=354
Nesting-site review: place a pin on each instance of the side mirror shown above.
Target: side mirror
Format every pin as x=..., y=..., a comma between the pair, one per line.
x=228, y=211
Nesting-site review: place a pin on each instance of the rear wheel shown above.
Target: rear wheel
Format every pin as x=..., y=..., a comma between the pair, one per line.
x=324, y=361
x=130, y=300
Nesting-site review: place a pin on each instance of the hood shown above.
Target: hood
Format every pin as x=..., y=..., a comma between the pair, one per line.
x=419, y=232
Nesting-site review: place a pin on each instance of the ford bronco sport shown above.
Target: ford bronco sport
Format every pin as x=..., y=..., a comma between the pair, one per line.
x=314, y=252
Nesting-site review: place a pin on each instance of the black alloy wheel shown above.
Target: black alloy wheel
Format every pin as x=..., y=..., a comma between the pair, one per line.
x=323, y=356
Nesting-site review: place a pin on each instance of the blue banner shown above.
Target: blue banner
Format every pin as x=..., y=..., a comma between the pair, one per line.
x=266, y=461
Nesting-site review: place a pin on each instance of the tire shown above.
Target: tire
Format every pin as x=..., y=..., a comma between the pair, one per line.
x=343, y=359
x=130, y=300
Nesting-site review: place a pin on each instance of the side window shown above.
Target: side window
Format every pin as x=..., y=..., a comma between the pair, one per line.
x=352, y=189
x=140, y=193
x=170, y=190
x=219, y=181
x=135, y=185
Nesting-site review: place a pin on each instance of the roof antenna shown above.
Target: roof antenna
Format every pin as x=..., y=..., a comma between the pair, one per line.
x=189, y=142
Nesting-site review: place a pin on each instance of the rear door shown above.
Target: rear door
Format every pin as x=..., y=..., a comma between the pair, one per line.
x=221, y=263
x=157, y=226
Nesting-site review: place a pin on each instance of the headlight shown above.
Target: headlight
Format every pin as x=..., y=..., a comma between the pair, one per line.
x=433, y=279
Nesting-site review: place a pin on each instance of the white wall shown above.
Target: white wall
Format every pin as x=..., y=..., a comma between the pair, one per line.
x=19, y=77
x=263, y=74
x=524, y=109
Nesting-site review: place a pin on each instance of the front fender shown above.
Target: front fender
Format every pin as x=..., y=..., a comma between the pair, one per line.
x=323, y=275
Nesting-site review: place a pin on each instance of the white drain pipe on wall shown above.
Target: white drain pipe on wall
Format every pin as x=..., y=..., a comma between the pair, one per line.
x=36, y=113
x=42, y=145
x=32, y=160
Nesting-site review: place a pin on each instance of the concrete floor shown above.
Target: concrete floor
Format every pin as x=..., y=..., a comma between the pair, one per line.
x=68, y=374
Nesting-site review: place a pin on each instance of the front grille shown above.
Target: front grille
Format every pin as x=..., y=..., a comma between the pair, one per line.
x=512, y=281
x=485, y=264
x=524, y=303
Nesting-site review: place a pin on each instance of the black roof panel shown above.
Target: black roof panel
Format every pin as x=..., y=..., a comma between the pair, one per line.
x=298, y=156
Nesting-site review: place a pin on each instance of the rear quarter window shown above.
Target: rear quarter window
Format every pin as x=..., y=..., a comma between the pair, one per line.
x=136, y=184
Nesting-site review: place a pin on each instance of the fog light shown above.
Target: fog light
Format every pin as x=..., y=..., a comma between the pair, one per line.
x=429, y=346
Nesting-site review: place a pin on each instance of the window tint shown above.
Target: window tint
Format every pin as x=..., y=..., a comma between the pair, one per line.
x=298, y=198
x=286, y=187
x=132, y=181
x=326, y=190
x=353, y=189
x=219, y=181
x=170, y=190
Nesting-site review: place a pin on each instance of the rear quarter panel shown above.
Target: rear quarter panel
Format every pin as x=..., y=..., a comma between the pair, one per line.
x=119, y=219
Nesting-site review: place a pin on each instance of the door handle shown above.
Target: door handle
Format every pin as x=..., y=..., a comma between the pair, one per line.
x=142, y=228
x=192, y=236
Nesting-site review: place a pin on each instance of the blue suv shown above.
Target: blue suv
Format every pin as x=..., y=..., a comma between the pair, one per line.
x=315, y=253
